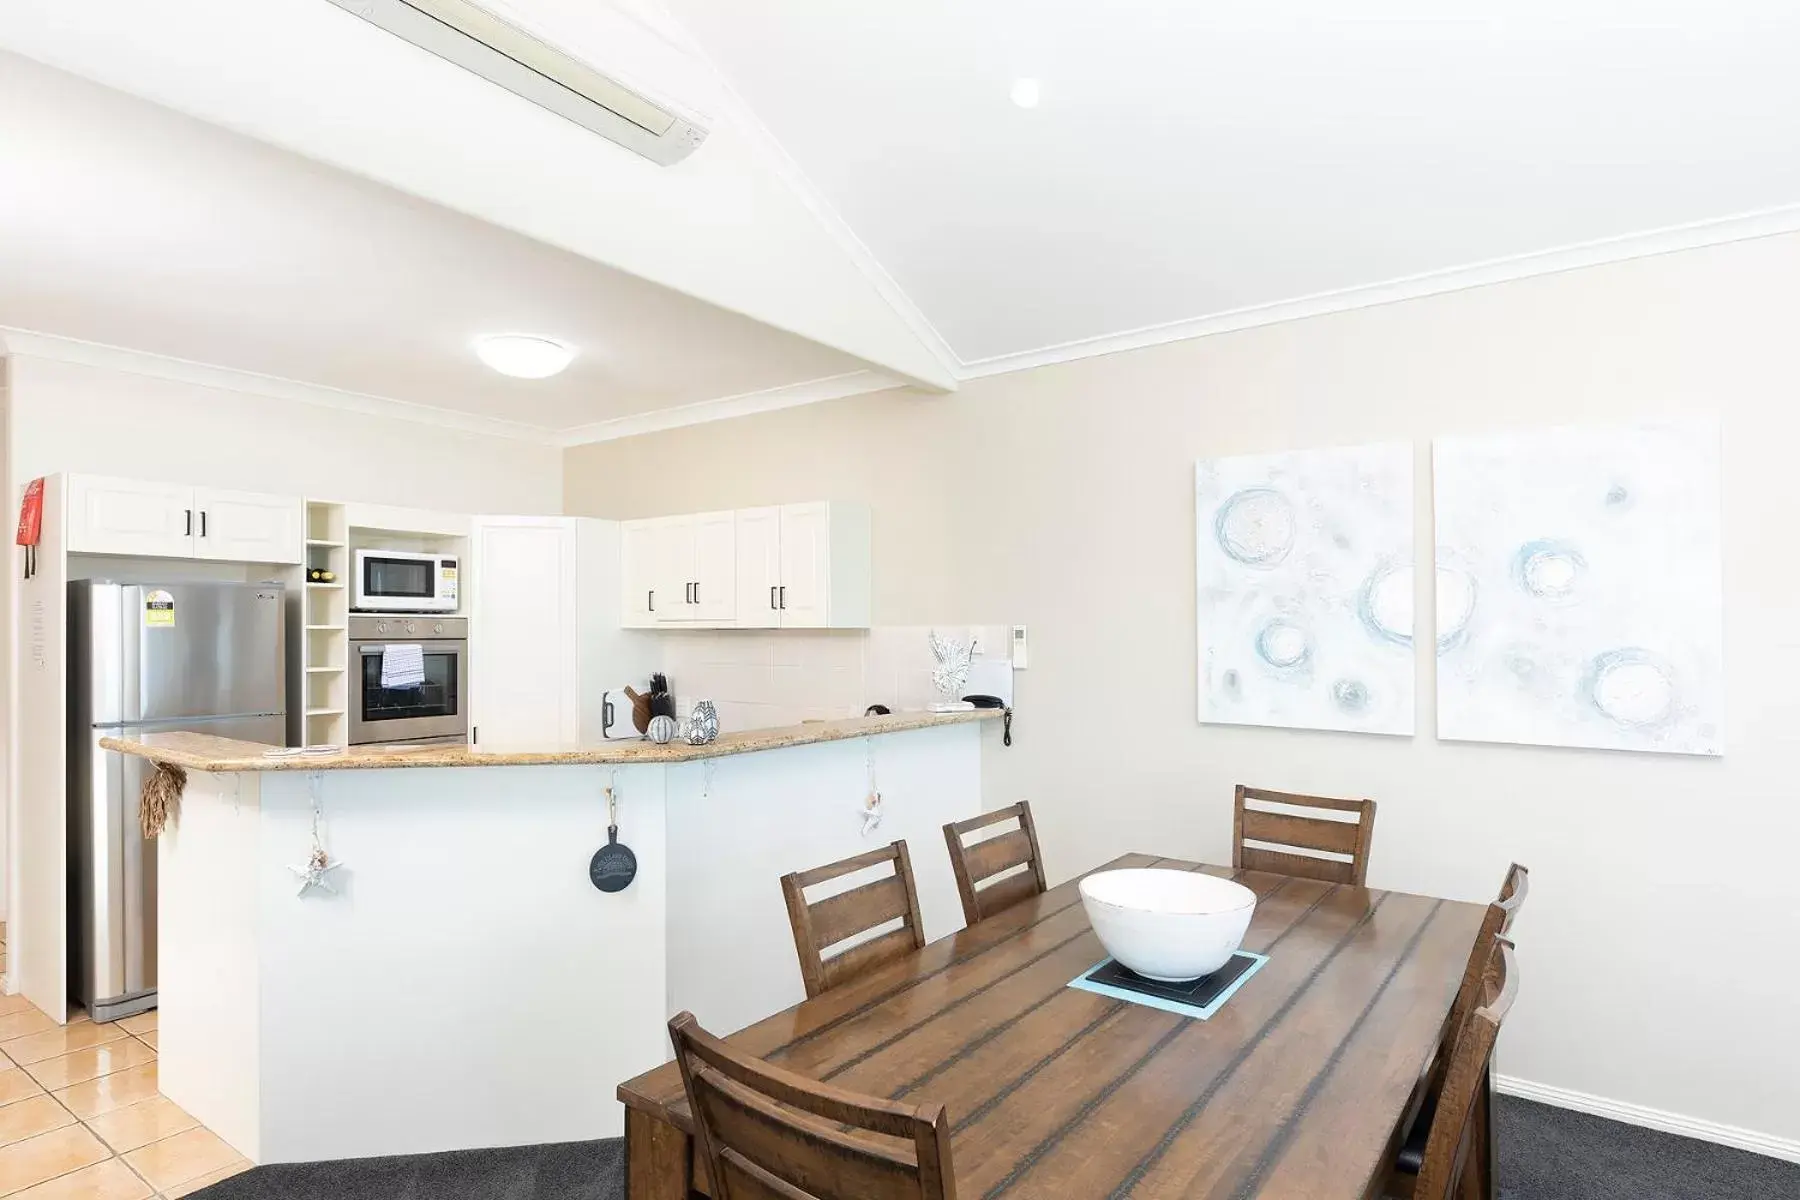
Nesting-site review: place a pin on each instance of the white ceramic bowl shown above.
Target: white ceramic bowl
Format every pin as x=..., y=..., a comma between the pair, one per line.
x=1167, y=925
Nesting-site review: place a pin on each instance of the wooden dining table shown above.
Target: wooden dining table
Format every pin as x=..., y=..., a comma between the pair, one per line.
x=1300, y=1086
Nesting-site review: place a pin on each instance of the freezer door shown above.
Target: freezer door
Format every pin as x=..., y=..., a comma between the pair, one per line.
x=96, y=655
x=204, y=649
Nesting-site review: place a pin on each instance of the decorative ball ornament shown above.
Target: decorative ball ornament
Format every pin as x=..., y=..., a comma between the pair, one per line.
x=662, y=730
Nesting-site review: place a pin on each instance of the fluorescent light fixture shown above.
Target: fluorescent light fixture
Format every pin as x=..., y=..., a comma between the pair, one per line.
x=523, y=356
x=1025, y=93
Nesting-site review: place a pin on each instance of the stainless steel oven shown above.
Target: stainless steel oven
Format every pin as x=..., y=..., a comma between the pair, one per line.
x=435, y=708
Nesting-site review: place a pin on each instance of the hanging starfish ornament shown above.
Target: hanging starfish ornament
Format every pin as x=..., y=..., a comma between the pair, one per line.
x=313, y=874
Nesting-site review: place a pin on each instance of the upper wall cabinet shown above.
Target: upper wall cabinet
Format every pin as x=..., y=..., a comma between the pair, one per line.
x=792, y=566
x=133, y=517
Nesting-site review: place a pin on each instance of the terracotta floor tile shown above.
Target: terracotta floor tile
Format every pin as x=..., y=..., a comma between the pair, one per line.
x=88, y=1100
x=149, y=1039
x=28, y=1118
x=14, y=1004
x=142, y=1023
x=207, y=1180
x=47, y=1156
x=16, y=1085
x=24, y=1022
x=109, y=1180
x=54, y=1073
x=140, y=1124
x=53, y=1043
x=180, y=1158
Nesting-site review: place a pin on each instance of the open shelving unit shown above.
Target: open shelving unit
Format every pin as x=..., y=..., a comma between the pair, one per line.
x=319, y=692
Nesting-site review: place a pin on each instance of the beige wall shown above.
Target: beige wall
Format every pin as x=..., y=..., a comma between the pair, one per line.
x=76, y=417
x=1063, y=497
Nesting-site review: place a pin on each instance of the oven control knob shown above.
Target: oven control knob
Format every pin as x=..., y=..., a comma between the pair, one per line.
x=438, y=628
x=381, y=627
x=411, y=628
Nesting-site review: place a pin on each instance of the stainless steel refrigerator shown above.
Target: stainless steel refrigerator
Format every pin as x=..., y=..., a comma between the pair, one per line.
x=145, y=657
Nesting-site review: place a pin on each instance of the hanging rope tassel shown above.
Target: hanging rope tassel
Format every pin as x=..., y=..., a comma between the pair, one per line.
x=160, y=800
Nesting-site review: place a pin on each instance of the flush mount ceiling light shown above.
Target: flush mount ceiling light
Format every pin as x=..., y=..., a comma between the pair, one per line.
x=523, y=356
x=1025, y=93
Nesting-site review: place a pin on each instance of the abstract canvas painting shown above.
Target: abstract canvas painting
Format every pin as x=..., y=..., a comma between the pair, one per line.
x=1580, y=588
x=1305, y=589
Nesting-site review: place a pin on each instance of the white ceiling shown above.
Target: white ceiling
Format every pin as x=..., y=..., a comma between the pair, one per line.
x=868, y=184
x=127, y=224
x=1195, y=159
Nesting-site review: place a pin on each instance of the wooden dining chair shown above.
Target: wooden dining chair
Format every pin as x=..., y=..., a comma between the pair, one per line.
x=1444, y=1170
x=977, y=863
x=765, y=1133
x=823, y=924
x=1339, y=850
x=1496, y=923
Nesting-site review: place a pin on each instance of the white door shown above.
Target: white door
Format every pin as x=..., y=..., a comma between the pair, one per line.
x=524, y=652
x=677, y=570
x=758, y=568
x=715, y=568
x=247, y=526
x=805, y=595
x=129, y=516
x=640, y=565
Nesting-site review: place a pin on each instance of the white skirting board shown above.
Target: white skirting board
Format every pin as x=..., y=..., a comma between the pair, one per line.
x=1651, y=1118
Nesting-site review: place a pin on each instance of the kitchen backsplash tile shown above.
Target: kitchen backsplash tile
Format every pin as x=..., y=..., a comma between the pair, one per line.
x=763, y=679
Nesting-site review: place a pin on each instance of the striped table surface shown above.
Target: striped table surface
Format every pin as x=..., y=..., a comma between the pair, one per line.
x=1296, y=1088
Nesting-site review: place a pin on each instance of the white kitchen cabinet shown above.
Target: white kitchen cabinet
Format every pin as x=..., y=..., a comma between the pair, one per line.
x=826, y=563
x=640, y=562
x=524, y=669
x=544, y=630
x=758, y=568
x=788, y=566
x=806, y=560
x=162, y=520
x=247, y=526
x=715, y=568
x=129, y=516
x=697, y=569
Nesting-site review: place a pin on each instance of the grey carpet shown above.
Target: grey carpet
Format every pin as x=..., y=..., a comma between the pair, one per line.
x=1545, y=1154
x=1553, y=1154
x=564, y=1171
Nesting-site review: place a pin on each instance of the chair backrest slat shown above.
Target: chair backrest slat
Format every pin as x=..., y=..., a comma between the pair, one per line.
x=1496, y=922
x=977, y=862
x=1448, y=1146
x=766, y=1133
x=822, y=924
x=1339, y=849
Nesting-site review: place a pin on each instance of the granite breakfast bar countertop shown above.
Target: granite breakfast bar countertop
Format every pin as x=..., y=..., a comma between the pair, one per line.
x=204, y=752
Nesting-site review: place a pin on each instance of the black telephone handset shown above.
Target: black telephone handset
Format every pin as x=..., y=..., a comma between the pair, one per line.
x=980, y=701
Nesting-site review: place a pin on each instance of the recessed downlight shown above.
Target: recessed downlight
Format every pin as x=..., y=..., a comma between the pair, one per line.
x=1025, y=93
x=523, y=356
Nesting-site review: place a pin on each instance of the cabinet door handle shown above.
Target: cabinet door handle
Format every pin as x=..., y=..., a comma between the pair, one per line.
x=650, y=599
x=772, y=603
x=188, y=529
x=203, y=522
x=784, y=595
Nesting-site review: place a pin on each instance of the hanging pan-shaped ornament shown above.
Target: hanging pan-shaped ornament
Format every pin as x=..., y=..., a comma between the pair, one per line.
x=613, y=866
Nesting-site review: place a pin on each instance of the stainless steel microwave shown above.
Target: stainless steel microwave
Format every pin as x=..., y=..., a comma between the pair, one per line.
x=402, y=581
